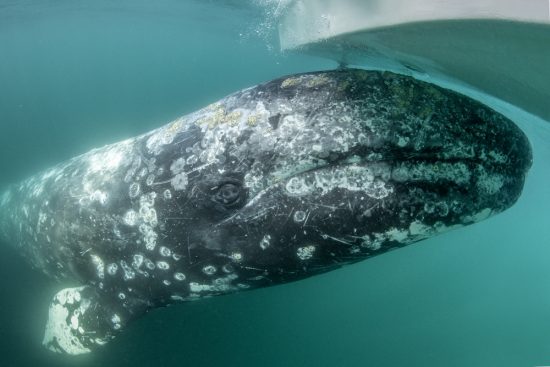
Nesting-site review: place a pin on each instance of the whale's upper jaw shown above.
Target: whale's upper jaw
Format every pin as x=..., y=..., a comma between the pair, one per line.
x=354, y=117
x=369, y=172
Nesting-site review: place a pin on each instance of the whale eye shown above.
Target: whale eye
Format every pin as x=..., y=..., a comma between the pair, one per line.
x=228, y=194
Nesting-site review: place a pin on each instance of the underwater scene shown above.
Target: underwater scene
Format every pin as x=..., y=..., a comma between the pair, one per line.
x=237, y=183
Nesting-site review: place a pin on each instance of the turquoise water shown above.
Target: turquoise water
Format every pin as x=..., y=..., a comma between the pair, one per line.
x=77, y=75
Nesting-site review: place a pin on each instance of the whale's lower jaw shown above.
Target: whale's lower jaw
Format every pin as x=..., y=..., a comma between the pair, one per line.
x=272, y=184
x=79, y=321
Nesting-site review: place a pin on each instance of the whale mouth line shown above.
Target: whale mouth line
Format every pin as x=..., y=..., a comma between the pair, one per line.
x=389, y=164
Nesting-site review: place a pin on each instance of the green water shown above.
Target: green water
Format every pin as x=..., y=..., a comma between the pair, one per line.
x=78, y=75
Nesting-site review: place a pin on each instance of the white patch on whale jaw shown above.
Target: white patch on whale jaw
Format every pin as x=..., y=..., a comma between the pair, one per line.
x=65, y=330
x=371, y=180
x=62, y=328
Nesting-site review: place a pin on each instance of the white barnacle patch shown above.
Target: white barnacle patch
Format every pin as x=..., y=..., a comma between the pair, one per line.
x=154, y=143
x=236, y=256
x=179, y=181
x=253, y=181
x=179, y=276
x=151, y=164
x=99, y=196
x=121, y=296
x=99, y=266
x=165, y=251
x=136, y=163
x=223, y=284
x=399, y=235
x=178, y=165
x=147, y=210
x=137, y=261
x=265, y=242
x=150, y=180
x=419, y=230
x=148, y=199
x=442, y=208
x=149, y=264
x=228, y=269
x=134, y=189
x=299, y=216
x=370, y=243
x=488, y=184
x=296, y=186
x=148, y=214
x=209, y=270
x=62, y=330
x=375, y=241
x=115, y=320
x=196, y=287
x=142, y=173
x=166, y=282
x=149, y=236
x=112, y=269
x=370, y=180
x=163, y=136
x=441, y=227
x=129, y=273
x=218, y=285
x=306, y=252
x=163, y=265
x=214, y=141
x=167, y=194
x=74, y=320
x=131, y=218
x=498, y=156
x=458, y=173
x=101, y=341
x=477, y=217
x=192, y=159
x=69, y=296
x=402, y=141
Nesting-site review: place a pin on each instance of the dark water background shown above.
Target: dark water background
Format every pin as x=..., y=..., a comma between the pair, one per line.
x=77, y=75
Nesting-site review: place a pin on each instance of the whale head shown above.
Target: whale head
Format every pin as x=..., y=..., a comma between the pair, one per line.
x=306, y=173
x=275, y=183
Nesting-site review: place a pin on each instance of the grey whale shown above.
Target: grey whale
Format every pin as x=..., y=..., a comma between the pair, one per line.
x=275, y=183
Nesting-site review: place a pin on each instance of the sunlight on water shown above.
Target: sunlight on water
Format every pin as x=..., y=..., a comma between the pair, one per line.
x=307, y=21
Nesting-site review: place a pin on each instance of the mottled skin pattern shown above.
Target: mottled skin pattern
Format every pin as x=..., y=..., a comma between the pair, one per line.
x=288, y=179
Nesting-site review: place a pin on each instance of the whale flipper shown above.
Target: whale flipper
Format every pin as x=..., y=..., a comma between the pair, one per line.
x=79, y=320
